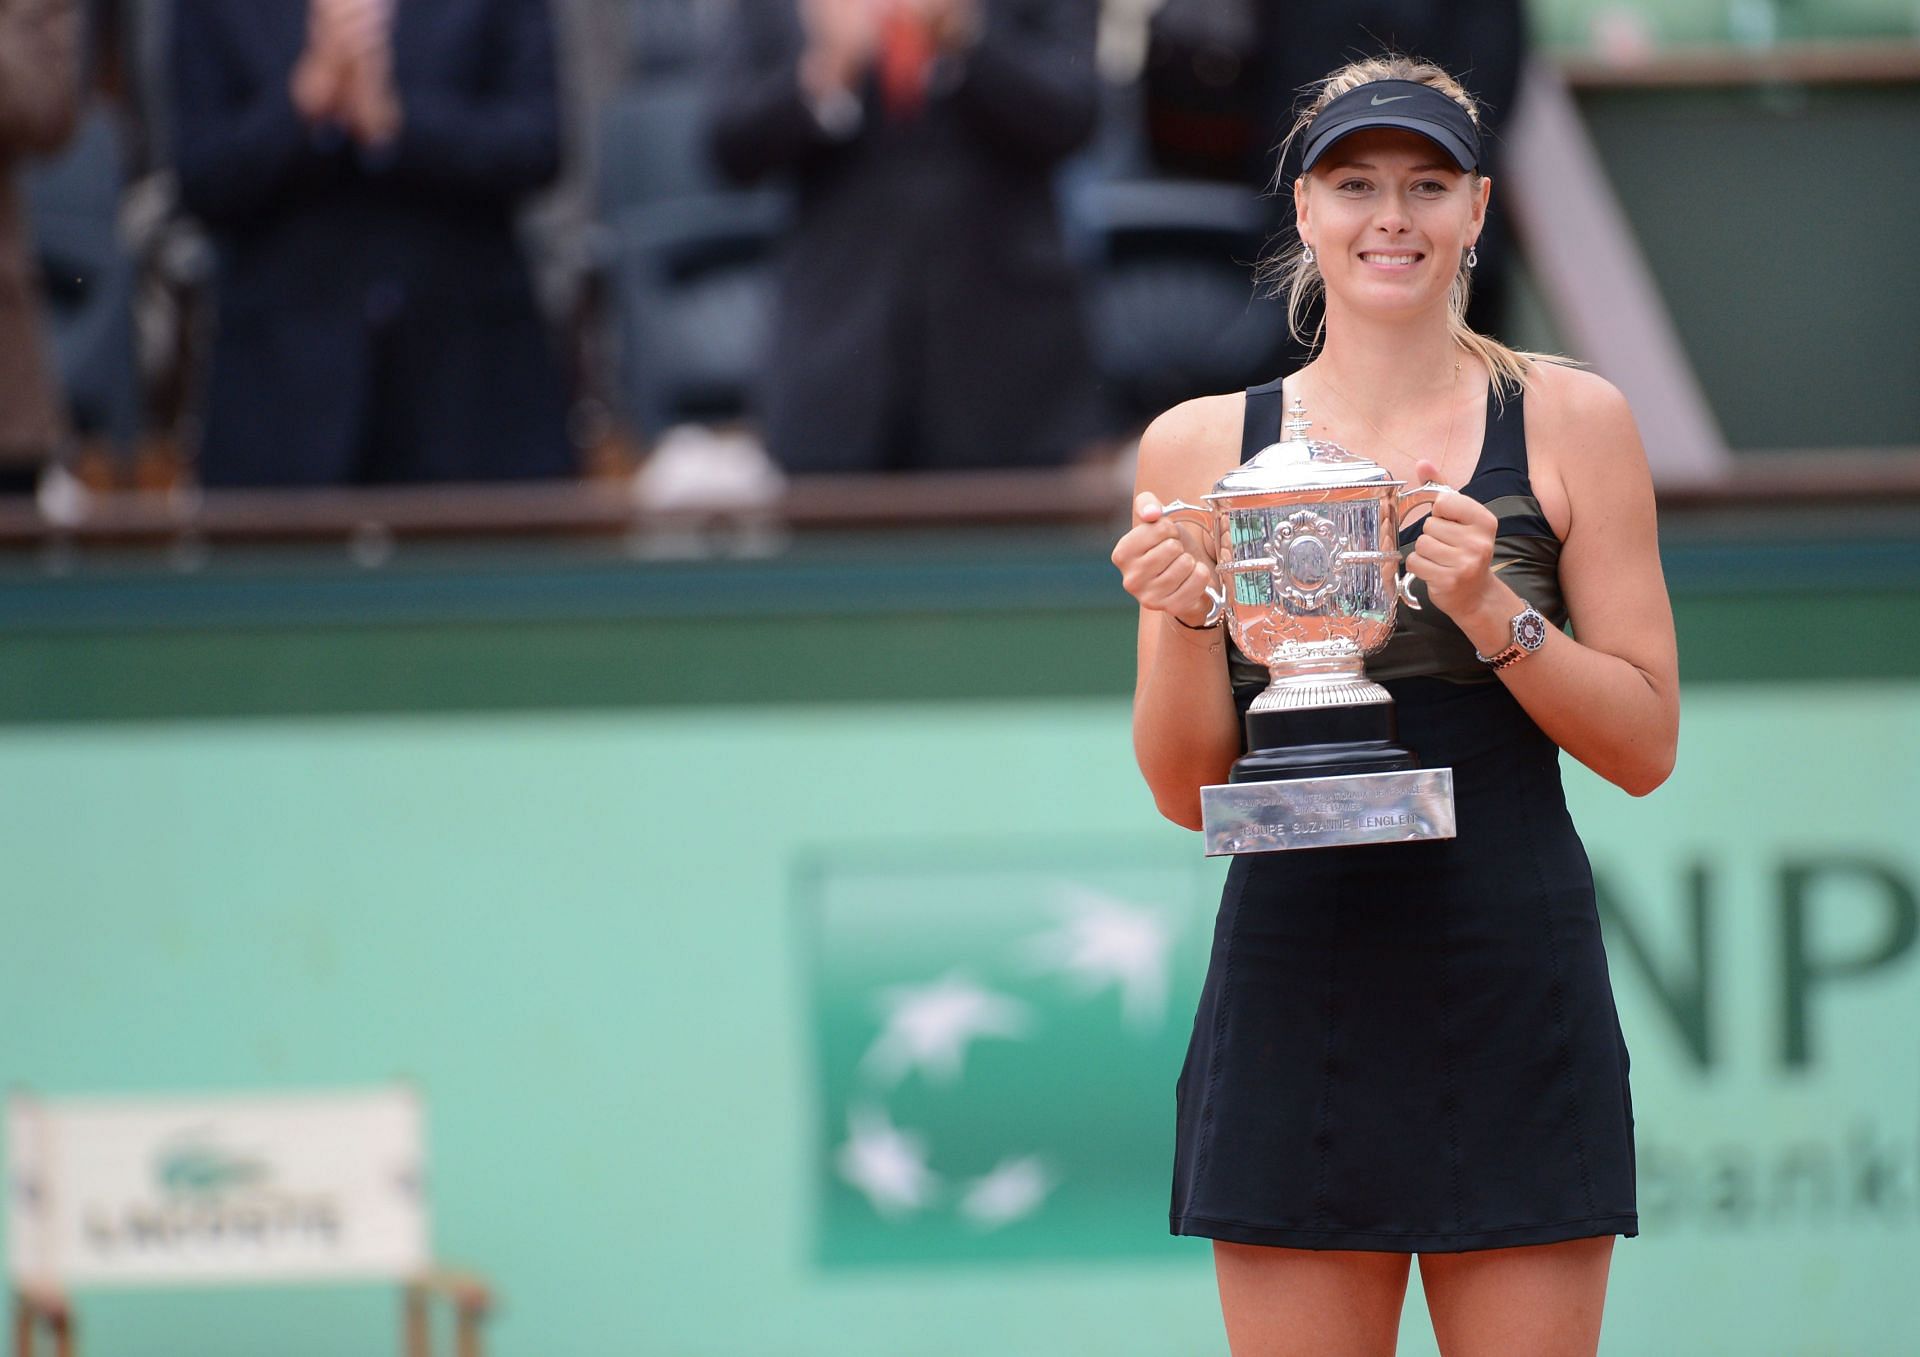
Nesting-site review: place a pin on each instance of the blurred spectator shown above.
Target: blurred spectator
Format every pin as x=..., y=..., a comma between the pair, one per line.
x=359, y=164
x=928, y=315
x=1203, y=90
x=39, y=98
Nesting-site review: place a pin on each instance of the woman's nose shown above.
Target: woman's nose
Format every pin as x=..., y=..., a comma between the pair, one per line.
x=1391, y=214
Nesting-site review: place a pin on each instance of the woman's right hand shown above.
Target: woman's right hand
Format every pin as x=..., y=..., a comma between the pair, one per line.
x=1159, y=568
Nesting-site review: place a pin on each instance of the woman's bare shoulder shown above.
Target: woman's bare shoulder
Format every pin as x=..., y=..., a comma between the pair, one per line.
x=1573, y=402
x=1187, y=448
x=1588, y=462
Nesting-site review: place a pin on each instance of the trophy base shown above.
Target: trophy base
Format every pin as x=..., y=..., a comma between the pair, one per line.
x=1325, y=777
x=1323, y=740
x=1289, y=812
x=1322, y=760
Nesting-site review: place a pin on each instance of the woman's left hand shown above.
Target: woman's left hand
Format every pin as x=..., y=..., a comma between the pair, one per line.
x=1454, y=554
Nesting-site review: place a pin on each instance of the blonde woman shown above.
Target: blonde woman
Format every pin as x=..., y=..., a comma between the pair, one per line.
x=1411, y=1049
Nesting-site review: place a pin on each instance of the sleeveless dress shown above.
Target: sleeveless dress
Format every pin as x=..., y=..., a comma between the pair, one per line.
x=1413, y=1047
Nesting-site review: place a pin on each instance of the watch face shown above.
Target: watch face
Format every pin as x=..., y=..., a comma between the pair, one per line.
x=1530, y=629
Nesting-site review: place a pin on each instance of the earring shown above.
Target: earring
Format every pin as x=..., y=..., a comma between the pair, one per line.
x=1473, y=254
x=1308, y=256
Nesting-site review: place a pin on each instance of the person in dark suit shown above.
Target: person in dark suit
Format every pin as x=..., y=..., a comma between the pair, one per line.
x=38, y=100
x=359, y=164
x=928, y=313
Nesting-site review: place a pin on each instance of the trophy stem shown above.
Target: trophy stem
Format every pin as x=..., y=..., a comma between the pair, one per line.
x=1333, y=682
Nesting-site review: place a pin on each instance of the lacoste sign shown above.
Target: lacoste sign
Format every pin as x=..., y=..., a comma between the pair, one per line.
x=109, y=1191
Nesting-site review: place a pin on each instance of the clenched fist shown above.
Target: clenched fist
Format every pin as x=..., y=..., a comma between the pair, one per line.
x=1454, y=554
x=1159, y=567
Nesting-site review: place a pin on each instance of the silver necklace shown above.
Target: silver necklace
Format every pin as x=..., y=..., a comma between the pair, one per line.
x=1453, y=411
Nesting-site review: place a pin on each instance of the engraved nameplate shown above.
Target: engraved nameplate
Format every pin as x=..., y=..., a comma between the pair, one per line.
x=1327, y=812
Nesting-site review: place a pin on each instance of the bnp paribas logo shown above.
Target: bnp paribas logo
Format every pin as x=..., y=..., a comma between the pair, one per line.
x=998, y=1034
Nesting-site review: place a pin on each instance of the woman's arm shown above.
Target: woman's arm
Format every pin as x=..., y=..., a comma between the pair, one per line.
x=1186, y=732
x=1610, y=698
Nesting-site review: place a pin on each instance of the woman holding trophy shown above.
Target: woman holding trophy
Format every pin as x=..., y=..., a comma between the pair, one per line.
x=1411, y=1047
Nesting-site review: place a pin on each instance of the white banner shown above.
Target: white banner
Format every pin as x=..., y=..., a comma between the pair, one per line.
x=137, y=1191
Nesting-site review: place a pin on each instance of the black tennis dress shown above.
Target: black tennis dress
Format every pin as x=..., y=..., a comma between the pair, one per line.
x=1413, y=1047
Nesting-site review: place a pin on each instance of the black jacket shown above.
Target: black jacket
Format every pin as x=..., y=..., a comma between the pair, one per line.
x=928, y=314
x=376, y=320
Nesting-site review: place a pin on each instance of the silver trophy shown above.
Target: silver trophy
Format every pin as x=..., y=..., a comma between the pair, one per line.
x=1305, y=539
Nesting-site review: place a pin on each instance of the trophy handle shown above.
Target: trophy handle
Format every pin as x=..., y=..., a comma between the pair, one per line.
x=1216, y=597
x=1413, y=499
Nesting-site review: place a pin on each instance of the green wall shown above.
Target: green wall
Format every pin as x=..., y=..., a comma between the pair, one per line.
x=1568, y=23
x=1762, y=212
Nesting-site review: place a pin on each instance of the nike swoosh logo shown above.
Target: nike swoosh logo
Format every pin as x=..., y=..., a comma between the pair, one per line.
x=1376, y=101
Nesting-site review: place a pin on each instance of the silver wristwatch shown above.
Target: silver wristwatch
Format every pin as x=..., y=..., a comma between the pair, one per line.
x=1529, y=634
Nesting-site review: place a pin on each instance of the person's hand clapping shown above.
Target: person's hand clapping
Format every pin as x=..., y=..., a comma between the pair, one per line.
x=1454, y=554
x=1159, y=568
x=322, y=72
x=952, y=24
x=371, y=107
x=345, y=74
x=842, y=37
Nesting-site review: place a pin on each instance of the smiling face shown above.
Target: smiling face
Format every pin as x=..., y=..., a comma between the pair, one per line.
x=1389, y=216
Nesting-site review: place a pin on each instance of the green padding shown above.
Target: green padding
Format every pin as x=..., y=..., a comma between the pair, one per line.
x=743, y=665
x=887, y=620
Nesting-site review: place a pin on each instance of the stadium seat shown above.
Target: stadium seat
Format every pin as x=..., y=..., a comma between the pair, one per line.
x=688, y=260
x=1174, y=309
x=653, y=145
x=671, y=37
x=89, y=277
x=693, y=284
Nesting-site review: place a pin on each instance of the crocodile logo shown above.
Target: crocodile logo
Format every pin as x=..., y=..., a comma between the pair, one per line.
x=194, y=1166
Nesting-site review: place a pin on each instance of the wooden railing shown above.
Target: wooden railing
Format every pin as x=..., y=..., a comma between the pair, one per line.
x=371, y=520
x=468, y=1297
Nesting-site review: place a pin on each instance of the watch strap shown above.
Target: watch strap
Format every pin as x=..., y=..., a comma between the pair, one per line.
x=1500, y=659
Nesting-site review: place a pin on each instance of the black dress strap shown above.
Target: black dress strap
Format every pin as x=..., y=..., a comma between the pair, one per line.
x=1505, y=448
x=1503, y=451
x=1261, y=428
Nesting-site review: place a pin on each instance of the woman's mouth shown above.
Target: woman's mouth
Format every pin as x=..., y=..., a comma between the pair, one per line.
x=1381, y=259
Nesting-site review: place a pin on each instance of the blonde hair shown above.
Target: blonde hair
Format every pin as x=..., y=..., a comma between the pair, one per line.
x=1291, y=273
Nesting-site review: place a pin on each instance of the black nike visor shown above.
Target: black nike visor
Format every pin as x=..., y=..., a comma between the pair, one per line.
x=1405, y=104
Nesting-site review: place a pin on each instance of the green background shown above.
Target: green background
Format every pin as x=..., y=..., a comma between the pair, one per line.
x=548, y=835
x=1569, y=23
